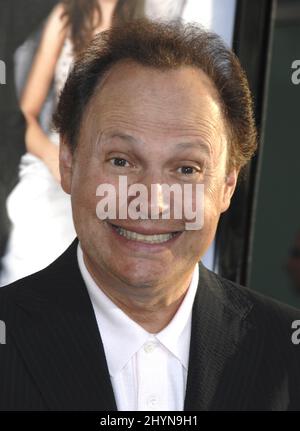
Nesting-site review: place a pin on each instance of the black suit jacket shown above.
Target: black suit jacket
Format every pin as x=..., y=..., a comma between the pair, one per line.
x=241, y=353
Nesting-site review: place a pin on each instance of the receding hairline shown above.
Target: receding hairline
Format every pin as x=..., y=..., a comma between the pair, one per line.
x=105, y=78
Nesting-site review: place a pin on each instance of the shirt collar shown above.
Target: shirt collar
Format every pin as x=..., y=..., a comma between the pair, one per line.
x=122, y=337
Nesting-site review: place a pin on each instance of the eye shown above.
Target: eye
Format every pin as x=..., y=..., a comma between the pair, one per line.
x=188, y=170
x=117, y=161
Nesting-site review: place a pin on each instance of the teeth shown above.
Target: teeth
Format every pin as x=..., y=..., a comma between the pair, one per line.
x=150, y=239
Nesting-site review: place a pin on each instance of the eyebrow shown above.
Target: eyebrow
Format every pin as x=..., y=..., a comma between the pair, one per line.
x=197, y=144
x=127, y=137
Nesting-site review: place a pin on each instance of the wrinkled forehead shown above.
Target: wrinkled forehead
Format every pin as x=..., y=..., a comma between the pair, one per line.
x=166, y=101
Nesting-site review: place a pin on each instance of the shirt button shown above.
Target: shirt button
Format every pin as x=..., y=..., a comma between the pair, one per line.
x=152, y=401
x=149, y=346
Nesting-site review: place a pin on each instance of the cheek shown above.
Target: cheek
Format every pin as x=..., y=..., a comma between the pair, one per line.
x=83, y=197
x=85, y=181
x=213, y=199
x=196, y=243
x=83, y=192
x=212, y=211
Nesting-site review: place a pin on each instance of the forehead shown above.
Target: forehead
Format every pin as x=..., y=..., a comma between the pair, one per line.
x=132, y=95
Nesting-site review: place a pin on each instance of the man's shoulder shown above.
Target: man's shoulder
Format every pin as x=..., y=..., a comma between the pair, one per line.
x=23, y=284
x=261, y=308
x=272, y=326
x=32, y=286
x=46, y=284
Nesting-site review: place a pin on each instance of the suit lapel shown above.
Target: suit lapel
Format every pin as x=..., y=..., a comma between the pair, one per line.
x=222, y=363
x=57, y=334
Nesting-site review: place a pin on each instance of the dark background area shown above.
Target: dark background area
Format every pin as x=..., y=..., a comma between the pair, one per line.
x=256, y=234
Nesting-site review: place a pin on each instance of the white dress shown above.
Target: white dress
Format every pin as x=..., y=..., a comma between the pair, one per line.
x=39, y=210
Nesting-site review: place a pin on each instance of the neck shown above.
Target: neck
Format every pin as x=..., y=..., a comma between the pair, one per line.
x=151, y=307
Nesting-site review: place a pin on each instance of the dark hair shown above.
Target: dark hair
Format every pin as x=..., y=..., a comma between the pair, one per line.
x=84, y=16
x=163, y=46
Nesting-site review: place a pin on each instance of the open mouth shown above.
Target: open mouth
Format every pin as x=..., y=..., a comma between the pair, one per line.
x=149, y=239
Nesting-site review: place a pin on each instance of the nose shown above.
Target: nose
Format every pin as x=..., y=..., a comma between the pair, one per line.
x=158, y=204
x=153, y=199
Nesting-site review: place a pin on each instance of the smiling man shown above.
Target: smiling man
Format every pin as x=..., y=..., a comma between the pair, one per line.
x=128, y=318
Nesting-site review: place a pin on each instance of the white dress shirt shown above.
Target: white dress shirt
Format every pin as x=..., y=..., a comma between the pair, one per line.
x=147, y=371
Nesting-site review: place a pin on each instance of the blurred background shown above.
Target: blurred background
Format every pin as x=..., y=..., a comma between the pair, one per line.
x=258, y=239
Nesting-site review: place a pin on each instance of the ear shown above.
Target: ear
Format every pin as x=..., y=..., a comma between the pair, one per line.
x=65, y=165
x=229, y=187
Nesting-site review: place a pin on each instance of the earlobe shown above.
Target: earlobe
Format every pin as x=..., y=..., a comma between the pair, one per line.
x=229, y=187
x=65, y=165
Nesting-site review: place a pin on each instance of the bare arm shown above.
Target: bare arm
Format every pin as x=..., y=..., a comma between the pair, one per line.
x=37, y=88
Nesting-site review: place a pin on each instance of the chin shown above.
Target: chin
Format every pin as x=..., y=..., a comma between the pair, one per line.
x=139, y=273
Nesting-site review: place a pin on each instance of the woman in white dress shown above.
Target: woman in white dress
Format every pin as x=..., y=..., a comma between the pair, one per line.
x=39, y=210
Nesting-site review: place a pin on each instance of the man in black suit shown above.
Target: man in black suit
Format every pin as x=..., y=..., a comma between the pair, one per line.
x=18, y=19
x=126, y=318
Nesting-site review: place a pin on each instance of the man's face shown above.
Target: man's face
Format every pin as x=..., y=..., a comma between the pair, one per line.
x=154, y=127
